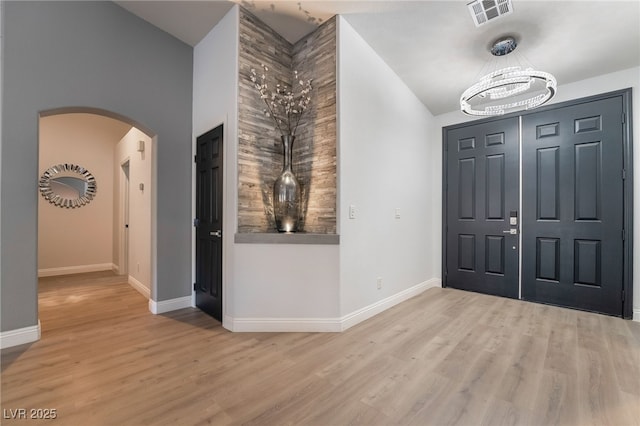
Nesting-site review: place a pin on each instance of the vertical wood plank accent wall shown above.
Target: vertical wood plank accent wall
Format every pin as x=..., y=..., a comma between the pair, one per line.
x=259, y=146
x=315, y=57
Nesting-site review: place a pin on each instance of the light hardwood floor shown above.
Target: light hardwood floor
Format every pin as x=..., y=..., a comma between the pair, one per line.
x=444, y=357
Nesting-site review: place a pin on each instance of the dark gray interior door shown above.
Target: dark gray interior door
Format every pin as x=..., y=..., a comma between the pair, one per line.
x=573, y=206
x=482, y=192
x=208, y=286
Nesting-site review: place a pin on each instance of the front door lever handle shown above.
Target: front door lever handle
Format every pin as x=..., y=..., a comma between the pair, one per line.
x=217, y=233
x=511, y=231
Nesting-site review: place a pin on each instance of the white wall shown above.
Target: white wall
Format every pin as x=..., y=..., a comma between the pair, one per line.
x=592, y=86
x=284, y=281
x=388, y=159
x=80, y=239
x=261, y=282
x=385, y=162
x=140, y=170
x=215, y=102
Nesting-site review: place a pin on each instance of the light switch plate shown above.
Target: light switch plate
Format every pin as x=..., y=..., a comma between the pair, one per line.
x=352, y=211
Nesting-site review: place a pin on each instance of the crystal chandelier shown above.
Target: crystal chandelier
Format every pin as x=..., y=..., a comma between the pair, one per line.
x=508, y=89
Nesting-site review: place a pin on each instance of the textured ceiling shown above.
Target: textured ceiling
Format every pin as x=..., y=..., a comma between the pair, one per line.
x=433, y=45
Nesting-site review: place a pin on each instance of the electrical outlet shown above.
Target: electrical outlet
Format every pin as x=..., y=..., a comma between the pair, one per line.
x=379, y=282
x=398, y=213
x=352, y=211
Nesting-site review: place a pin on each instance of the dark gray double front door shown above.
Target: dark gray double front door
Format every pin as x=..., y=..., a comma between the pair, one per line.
x=543, y=222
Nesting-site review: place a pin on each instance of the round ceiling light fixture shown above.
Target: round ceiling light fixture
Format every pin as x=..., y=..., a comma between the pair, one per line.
x=508, y=89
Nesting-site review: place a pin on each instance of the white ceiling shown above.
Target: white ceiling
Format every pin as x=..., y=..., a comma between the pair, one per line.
x=434, y=46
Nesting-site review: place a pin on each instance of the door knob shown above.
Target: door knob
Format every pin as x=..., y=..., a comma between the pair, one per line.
x=217, y=233
x=511, y=231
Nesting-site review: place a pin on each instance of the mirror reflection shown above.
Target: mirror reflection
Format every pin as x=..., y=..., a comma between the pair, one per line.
x=69, y=186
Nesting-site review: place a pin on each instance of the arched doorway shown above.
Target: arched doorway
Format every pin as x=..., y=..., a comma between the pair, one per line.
x=112, y=234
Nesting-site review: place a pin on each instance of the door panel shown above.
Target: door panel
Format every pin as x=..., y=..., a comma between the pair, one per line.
x=208, y=284
x=482, y=190
x=495, y=188
x=573, y=206
x=548, y=184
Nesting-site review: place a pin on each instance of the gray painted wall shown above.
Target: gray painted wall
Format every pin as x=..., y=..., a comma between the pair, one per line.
x=91, y=54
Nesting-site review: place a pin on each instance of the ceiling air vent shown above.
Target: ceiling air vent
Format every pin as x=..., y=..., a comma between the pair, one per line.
x=483, y=11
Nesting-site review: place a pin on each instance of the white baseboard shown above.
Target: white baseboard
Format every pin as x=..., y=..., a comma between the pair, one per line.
x=325, y=324
x=636, y=314
x=367, y=312
x=227, y=322
x=141, y=288
x=68, y=270
x=20, y=336
x=169, y=305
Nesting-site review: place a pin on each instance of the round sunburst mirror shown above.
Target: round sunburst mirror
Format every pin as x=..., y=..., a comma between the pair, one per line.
x=68, y=185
